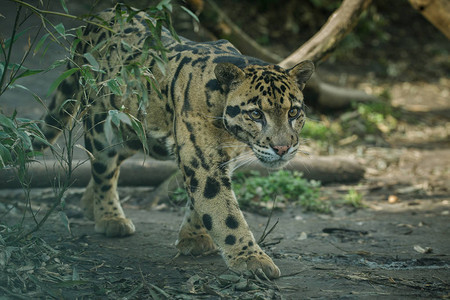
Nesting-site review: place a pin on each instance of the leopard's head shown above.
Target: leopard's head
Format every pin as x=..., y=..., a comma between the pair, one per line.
x=264, y=108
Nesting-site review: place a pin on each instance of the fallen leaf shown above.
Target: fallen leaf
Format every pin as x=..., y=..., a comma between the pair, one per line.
x=392, y=199
x=423, y=250
x=303, y=236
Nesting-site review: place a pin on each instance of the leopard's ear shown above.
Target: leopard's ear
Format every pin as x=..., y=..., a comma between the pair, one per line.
x=228, y=75
x=302, y=72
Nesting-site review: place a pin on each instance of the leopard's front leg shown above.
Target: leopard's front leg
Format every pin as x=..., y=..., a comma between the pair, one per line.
x=216, y=211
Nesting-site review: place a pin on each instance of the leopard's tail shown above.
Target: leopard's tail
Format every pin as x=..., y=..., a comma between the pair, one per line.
x=60, y=112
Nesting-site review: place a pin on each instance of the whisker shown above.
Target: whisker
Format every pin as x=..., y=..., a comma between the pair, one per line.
x=248, y=161
x=238, y=158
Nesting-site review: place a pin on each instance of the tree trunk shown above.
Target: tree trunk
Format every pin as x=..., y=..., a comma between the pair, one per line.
x=435, y=11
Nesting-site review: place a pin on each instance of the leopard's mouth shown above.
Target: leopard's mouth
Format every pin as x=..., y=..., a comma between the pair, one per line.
x=274, y=164
x=272, y=160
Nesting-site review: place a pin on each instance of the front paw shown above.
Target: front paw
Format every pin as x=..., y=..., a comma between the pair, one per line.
x=257, y=262
x=115, y=226
x=195, y=244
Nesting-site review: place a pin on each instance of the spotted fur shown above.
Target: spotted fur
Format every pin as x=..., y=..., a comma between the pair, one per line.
x=219, y=109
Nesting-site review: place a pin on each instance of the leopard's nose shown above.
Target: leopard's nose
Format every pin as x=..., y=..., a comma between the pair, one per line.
x=281, y=150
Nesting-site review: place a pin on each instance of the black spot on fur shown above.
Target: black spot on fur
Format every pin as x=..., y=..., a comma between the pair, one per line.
x=101, y=37
x=250, y=243
x=112, y=101
x=186, y=104
x=213, y=85
x=99, y=168
x=193, y=185
x=88, y=144
x=226, y=182
x=212, y=188
x=188, y=171
x=99, y=121
x=200, y=60
x=106, y=188
x=230, y=240
x=52, y=121
x=235, y=129
x=130, y=29
x=253, y=100
x=121, y=158
x=112, y=153
x=235, y=60
x=182, y=63
x=194, y=163
x=233, y=111
x=66, y=88
x=52, y=104
x=231, y=222
x=134, y=144
x=97, y=179
x=87, y=124
x=110, y=175
x=98, y=145
x=207, y=221
x=160, y=150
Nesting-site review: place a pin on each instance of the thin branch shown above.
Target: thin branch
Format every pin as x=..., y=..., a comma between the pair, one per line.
x=264, y=234
x=49, y=12
x=221, y=25
x=8, y=56
x=339, y=24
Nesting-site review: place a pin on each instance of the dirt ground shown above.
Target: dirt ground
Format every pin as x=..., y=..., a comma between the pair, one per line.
x=397, y=249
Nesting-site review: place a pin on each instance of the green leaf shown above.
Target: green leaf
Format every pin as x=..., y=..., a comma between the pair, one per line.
x=126, y=46
x=6, y=122
x=114, y=86
x=123, y=117
x=41, y=42
x=65, y=220
x=140, y=132
x=73, y=47
x=26, y=73
x=56, y=64
x=63, y=4
x=164, y=4
x=109, y=133
x=60, y=29
x=194, y=16
x=92, y=61
x=113, y=115
x=5, y=156
x=58, y=80
x=9, y=42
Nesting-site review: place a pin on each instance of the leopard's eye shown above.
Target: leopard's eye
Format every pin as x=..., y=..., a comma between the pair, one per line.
x=293, y=113
x=255, y=115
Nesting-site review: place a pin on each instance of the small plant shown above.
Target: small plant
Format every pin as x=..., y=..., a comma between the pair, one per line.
x=284, y=186
x=255, y=191
x=354, y=199
x=322, y=132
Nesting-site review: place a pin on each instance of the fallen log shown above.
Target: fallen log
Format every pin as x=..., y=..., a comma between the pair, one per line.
x=136, y=172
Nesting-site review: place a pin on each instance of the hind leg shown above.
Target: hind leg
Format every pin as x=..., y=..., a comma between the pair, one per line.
x=100, y=201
